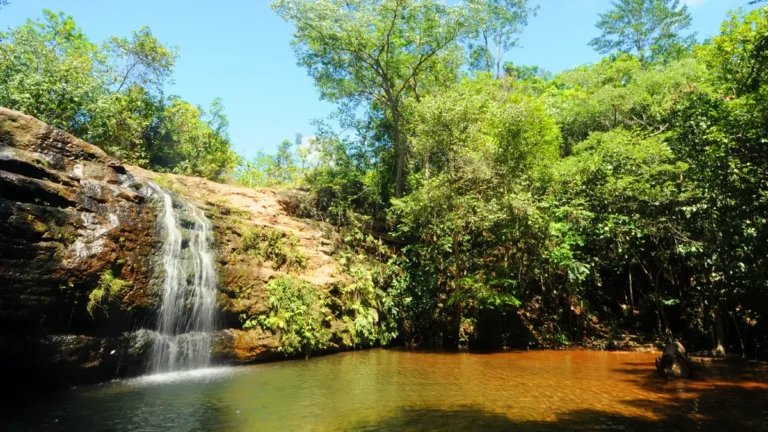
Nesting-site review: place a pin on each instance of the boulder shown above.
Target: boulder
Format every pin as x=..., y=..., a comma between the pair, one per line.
x=674, y=363
x=232, y=346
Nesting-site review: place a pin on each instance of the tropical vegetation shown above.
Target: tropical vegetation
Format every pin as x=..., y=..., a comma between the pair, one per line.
x=498, y=205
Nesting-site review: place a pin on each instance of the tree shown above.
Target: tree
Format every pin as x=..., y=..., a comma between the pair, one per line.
x=476, y=148
x=650, y=29
x=49, y=69
x=140, y=61
x=376, y=52
x=284, y=166
x=195, y=142
x=495, y=26
x=721, y=133
x=618, y=92
x=633, y=191
x=3, y=3
x=111, y=95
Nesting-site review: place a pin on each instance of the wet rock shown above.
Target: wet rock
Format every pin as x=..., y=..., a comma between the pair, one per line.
x=68, y=359
x=674, y=363
x=70, y=213
x=244, y=346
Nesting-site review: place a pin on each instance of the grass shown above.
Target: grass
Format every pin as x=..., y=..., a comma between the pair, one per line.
x=166, y=182
x=110, y=288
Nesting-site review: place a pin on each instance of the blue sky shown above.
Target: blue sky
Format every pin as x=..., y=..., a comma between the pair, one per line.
x=239, y=50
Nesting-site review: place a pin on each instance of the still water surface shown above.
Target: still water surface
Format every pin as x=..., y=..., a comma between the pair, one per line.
x=401, y=390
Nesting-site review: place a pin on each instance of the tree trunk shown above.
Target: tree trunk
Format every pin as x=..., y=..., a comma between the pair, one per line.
x=719, y=350
x=488, y=58
x=659, y=306
x=738, y=333
x=400, y=154
x=631, y=294
x=498, y=59
x=457, y=288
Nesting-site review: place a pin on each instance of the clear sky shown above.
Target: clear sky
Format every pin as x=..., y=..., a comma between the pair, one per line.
x=239, y=50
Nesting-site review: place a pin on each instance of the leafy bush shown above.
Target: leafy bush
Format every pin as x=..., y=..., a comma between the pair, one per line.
x=110, y=288
x=275, y=246
x=298, y=314
x=365, y=303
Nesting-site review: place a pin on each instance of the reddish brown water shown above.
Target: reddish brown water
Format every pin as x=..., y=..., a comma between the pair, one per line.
x=400, y=390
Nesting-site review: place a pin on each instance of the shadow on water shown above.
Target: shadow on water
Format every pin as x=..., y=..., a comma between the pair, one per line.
x=670, y=418
x=476, y=419
x=720, y=397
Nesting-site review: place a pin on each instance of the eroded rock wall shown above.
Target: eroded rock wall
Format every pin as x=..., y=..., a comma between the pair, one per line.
x=80, y=264
x=70, y=214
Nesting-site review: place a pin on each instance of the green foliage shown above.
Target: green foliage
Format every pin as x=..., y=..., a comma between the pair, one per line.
x=49, y=70
x=495, y=25
x=286, y=168
x=298, y=314
x=198, y=139
x=721, y=134
x=365, y=304
x=275, y=246
x=308, y=318
x=376, y=52
x=648, y=28
x=367, y=311
x=109, y=289
x=739, y=56
x=112, y=96
x=550, y=210
x=479, y=149
x=618, y=92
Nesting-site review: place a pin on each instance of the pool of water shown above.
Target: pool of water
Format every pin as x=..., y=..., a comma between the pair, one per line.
x=402, y=390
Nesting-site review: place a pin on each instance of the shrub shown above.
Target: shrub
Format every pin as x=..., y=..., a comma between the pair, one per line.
x=274, y=245
x=298, y=314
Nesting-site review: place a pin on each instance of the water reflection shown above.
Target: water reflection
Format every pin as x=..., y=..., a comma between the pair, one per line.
x=394, y=390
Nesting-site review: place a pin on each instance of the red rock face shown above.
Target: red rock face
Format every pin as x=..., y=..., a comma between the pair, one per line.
x=69, y=214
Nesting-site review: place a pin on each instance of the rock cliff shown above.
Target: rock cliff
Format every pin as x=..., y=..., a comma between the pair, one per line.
x=73, y=220
x=80, y=270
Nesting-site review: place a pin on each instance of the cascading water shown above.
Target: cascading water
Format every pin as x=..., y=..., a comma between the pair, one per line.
x=188, y=308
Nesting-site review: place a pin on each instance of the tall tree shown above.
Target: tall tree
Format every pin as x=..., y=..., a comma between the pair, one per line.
x=49, y=69
x=650, y=29
x=142, y=60
x=3, y=3
x=495, y=29
x=376, y=52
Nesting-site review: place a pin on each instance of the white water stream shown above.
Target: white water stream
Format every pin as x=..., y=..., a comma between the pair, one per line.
x=188, y=309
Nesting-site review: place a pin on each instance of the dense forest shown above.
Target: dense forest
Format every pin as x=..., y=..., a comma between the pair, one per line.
x=494, y=204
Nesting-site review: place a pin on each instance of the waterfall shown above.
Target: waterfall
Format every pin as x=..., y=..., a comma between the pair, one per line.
x=188, y=308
